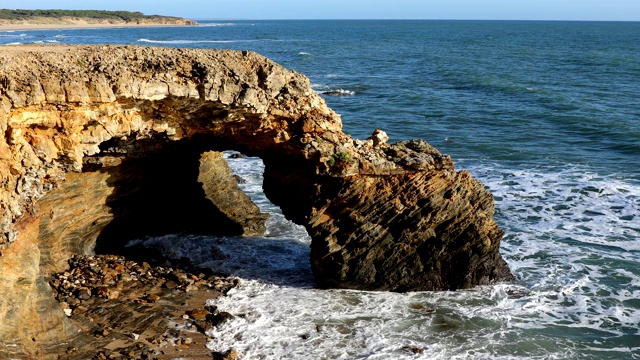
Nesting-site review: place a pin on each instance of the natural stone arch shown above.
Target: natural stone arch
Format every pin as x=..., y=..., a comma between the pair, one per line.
x=386, y=217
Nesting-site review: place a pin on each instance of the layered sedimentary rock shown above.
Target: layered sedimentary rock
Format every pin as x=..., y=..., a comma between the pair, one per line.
x=103, y=144
x=422, y=226
x=41, y=21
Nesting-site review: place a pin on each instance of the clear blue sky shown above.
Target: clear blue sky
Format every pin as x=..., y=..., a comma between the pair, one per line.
x=626, y=10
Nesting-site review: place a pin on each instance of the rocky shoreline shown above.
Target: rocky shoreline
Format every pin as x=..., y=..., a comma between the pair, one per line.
x=106, y=144
x=139, y=311
x=71, y=22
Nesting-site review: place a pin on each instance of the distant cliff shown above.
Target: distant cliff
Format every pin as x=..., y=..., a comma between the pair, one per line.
x=86, y=17
x=103, y=144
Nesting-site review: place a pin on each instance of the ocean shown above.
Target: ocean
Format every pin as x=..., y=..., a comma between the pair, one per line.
x=545, y=114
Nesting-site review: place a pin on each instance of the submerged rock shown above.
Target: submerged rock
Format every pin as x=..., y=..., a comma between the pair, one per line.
x=105, y=144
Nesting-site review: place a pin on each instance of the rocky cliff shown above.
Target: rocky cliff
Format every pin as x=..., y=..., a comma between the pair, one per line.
x=16, y=18
x=80, y=21
x=103, y=144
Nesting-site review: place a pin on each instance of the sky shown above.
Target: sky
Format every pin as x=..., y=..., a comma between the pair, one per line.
x=608, y=10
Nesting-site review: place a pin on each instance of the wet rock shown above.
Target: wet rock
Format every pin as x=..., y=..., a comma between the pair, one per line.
x=135, y=311
x=101, y=333
x=413, y=349
x=230, y=354
x=170, y=285
x=219, y=318
x=198, y=314
x=424, y=309
x=79, y=310
x=108, y=292
x=153, y=297
x=83, y=294
x=177, y=277
x=77, y=285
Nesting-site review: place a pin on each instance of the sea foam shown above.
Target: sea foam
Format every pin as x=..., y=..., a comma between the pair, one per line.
x=571, y=282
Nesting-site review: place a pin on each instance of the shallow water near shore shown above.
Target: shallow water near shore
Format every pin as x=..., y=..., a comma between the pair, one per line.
x=544, y=113
x=569, y=301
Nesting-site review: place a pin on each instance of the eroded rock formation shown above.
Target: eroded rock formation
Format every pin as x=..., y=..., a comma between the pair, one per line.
x=103, y=144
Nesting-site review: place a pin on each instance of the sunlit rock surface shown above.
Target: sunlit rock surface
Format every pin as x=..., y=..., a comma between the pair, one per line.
x=103, y=144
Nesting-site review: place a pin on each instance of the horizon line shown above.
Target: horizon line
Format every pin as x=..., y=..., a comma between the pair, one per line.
x=399, y=19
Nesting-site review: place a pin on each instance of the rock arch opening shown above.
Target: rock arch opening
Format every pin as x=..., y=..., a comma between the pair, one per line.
x=278, y=256
x=131, y=190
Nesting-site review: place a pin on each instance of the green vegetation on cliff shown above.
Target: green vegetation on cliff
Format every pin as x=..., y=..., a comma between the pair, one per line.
x=19, y=14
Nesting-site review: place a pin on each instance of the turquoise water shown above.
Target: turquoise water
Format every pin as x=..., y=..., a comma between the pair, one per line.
x=546, y=114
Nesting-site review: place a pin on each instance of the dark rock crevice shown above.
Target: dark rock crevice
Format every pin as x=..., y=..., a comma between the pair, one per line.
x=160, y=194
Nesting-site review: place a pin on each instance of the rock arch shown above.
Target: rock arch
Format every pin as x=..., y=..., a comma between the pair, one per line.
x=92, y=126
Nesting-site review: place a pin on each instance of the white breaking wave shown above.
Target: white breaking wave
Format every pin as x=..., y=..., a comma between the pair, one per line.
x=564, y=232
x=332, y=76
x=216, y=24
x=328, y=90
x=319, y=87
x=186, y=41
x=338, y=92
x=193, y=41
x=13, y=35
x=570, y=204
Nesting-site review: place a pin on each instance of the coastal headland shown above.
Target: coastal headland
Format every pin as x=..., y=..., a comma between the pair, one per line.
x=70, y=19
x=106, y=144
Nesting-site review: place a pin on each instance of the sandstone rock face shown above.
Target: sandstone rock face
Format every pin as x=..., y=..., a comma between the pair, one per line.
x=415, y=225
x=103, y=144
x=68, y=20
x=221, y=188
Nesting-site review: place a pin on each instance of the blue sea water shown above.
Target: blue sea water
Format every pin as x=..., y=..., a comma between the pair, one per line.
x=546, y=114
